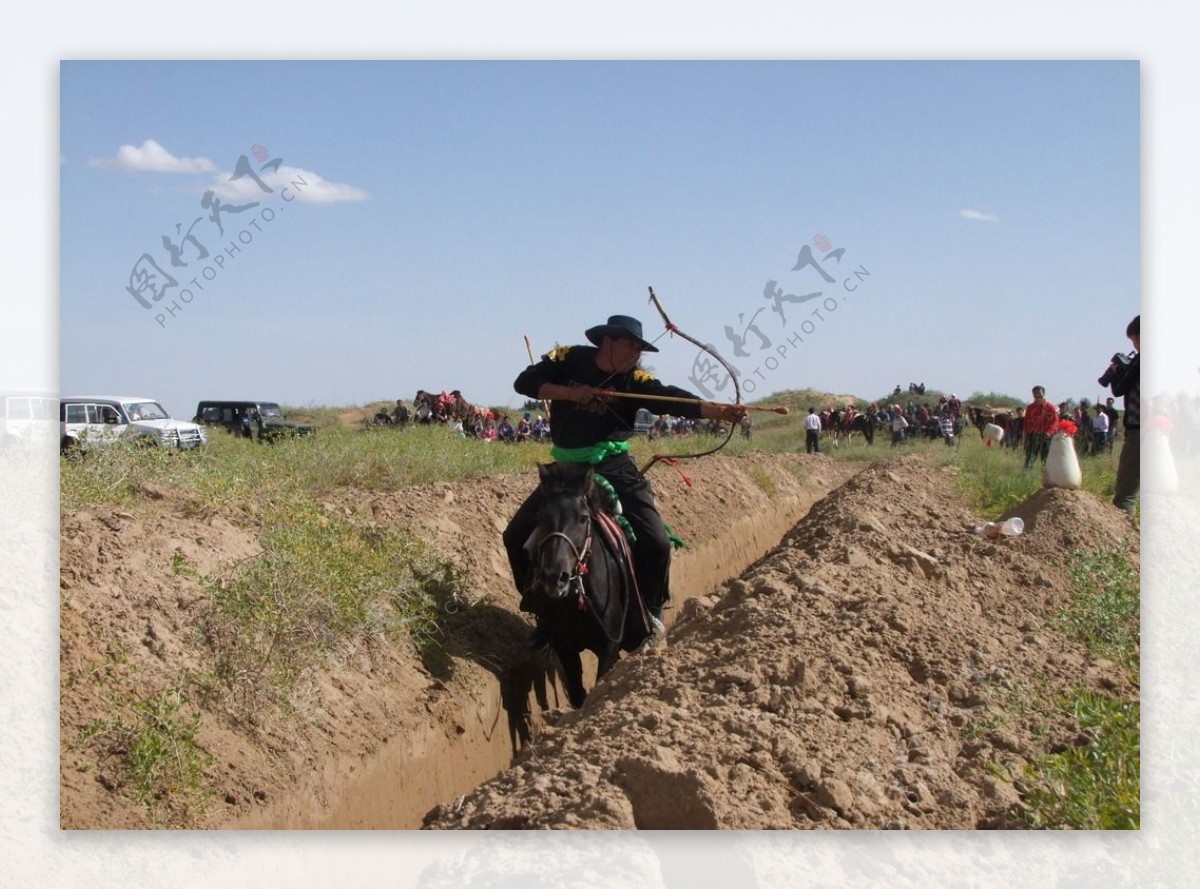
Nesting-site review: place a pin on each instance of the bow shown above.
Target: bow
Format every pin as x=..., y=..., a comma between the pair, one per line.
x=672, y=328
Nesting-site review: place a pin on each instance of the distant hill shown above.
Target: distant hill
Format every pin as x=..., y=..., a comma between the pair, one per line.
x=932, y=396
x=801, y=399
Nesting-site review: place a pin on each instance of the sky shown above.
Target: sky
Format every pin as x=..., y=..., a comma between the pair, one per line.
x=837, y=225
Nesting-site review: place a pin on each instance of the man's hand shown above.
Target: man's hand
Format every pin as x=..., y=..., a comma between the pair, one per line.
x=584, y=395
x=559, y=393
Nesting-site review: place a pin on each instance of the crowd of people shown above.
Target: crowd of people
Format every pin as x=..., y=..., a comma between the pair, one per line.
x=1094, y=426
x=469, y=421
x=475, y=422
x=941, y=421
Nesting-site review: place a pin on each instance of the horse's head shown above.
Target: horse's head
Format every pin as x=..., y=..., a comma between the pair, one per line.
x=563, y=537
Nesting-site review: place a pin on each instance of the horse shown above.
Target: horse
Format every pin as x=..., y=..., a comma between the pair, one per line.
x=424, y=407
x=859, y=423
x=982, y=416
x=578, y=581
x=453, y=406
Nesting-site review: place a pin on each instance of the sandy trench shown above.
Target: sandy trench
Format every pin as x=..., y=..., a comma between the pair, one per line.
x=843, y=654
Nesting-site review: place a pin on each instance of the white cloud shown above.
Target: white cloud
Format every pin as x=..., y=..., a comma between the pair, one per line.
x=978, y=215
x=303, y=185
x=152, y=157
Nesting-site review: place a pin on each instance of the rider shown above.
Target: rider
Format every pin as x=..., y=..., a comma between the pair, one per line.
x=595, y=429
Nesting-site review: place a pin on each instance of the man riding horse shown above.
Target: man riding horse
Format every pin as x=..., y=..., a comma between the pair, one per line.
x=594, y=428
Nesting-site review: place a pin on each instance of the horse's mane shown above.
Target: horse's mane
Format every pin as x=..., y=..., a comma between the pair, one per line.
x=570, y=480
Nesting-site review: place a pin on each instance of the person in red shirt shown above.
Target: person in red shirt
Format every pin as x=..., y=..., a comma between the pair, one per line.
x=1040, y=418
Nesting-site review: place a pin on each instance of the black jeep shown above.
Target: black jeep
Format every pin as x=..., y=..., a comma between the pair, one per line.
x=263, y=421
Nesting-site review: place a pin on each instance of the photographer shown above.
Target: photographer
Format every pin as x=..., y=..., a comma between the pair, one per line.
x=1124, y=377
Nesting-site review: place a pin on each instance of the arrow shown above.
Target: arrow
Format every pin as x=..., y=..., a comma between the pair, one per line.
x=779, y=409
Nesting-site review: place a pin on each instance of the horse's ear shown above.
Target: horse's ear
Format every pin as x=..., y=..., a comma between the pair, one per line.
x=588, y=474
x=544, y=471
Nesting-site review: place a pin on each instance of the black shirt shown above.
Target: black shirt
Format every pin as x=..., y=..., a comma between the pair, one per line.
x=608, y=418
x=1129, y=385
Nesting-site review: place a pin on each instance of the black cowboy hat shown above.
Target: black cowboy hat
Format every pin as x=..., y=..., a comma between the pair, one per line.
x=620, y=326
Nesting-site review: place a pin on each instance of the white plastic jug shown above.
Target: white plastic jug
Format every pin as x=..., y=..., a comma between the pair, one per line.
x=1062, y=465
x=993, y=434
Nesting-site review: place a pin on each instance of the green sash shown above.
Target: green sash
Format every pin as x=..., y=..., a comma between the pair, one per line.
x=589, y=454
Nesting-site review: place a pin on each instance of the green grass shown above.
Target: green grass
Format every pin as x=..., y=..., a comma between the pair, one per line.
x=1105, y=604
x=995, y=480
x=1095, y=784
x=324, y=583
x=232, y=470
x=154, y=755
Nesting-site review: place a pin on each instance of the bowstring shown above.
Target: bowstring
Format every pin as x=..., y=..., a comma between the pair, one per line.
x=671, y=328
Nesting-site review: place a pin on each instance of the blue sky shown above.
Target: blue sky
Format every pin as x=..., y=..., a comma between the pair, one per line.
x=442, y=211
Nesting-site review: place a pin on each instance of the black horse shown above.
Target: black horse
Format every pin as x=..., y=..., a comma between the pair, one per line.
x=860, y=423
x=578, y=581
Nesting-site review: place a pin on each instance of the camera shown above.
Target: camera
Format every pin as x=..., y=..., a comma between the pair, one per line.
x=1118, y=367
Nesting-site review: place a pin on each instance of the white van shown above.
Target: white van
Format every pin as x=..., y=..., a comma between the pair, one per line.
x=92, y=421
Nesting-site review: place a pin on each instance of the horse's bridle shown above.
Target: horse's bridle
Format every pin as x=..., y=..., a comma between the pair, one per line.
x=580, y=553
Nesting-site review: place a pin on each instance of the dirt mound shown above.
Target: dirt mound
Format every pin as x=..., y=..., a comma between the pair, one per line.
x=378, y=720
x=868, y=673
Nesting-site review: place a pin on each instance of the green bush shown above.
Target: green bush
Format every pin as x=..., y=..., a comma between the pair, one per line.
x=157, y=760
x=323, y=583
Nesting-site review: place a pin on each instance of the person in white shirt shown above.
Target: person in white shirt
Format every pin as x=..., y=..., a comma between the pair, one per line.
x=812, y=432
x=1099, y=430
x=899, y=425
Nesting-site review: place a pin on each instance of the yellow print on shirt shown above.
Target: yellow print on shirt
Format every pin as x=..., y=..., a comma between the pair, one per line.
x=640, y=376
x=557, y=354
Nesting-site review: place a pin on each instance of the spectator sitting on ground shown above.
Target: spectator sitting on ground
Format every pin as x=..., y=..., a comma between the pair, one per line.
x=505, y=431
